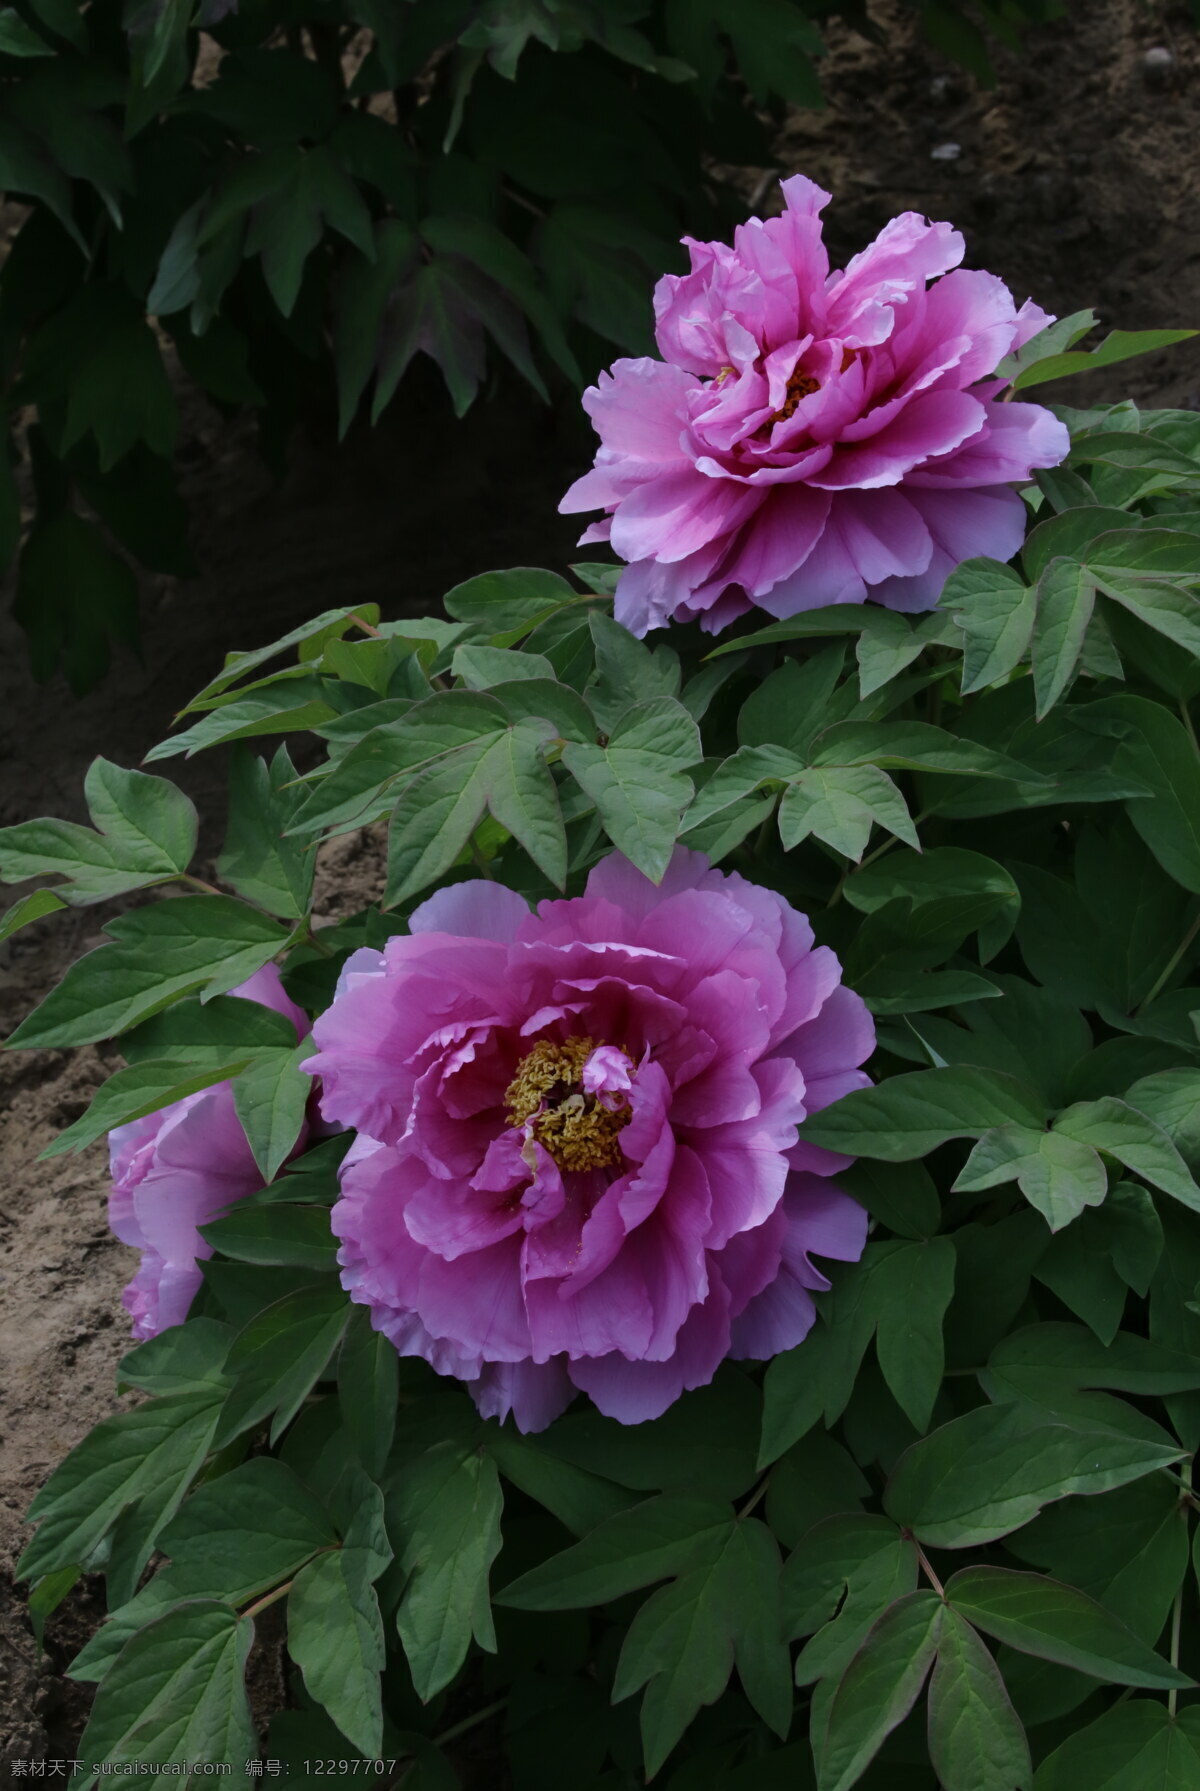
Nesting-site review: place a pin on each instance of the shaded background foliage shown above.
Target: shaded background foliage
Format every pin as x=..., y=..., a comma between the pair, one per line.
x=286, y=552
x=290, y=201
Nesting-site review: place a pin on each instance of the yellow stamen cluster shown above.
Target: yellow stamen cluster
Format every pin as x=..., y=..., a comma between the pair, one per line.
x=547, y=1095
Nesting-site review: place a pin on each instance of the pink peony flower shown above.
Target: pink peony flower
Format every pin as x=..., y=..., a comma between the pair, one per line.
x=175, y=1170
x=577, y=1164
x=813, y=437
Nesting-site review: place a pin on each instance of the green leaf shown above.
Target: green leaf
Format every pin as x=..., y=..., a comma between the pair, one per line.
x=578, y=1499
x=985, y=1474
x=444, y=1511
x=441, y=806
x=286, y=704
x=131, y=1094
x=909, y=1116
x=1120, y=1131
x=975, y=1736
x=270, y=1096
x=1128, y=1549
x=1057, y=1174
x=684, y=1641
x=1056, y=1622
x=275, y=1360
x=703, y=1446
x=35, y=906
x=878, y=1689
x=331, y=623
x=182, y=1359
x=146, y=831
x=150, y=1452
x=626, y=671
x=368, y=1388
x=1119, y=345
x=996, y=611
x=638, y=781
x=196, y=1034
x=840, y=805
x=1042, y=1355
x=161, y=952
x=1155, y=748
x=510, y=602
x=631, y=1549
x=1065, y=598
x=277, y=1233
x=359, y=786
x=257, y=860
x=335, y=1629
x=176, y=1694
x=911, y=1296
x=1135, y=1746
x=233, y=1538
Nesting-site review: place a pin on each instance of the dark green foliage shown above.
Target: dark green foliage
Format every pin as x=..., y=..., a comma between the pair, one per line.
x=298, y=198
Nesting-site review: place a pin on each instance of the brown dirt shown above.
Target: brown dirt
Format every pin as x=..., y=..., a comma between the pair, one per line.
x=1073, y=182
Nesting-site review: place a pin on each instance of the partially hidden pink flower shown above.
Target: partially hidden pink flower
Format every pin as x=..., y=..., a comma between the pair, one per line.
x=174, y=1171
x=812, y=437
x=577, y=1165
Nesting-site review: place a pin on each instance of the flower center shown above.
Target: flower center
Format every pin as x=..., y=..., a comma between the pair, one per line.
x=579, y=1130
x=799, y=385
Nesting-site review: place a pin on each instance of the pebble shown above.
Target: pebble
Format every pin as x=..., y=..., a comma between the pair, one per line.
x=1157, y=64
x=946, y=152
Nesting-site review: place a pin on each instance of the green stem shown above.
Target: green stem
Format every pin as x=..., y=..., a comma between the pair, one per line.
x=1161, y=981
x=271, y=1598
x=1185, y=713
x=1177, y=1610
x=197, y=883
x=870, y=858
x=470, y=1722
x=932, y=1577
x=754, y=1498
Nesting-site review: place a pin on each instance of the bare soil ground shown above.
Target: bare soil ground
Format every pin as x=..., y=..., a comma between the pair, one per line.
x=1075, y=180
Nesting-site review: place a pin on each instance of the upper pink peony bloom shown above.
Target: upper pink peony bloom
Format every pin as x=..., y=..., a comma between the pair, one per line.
x=577, y=1164
x=813, y=437
x=175, y=1170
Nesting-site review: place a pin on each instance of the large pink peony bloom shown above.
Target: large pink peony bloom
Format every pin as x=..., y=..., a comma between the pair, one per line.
x=577, y=1164
x=813, y=438
x=175, y=1170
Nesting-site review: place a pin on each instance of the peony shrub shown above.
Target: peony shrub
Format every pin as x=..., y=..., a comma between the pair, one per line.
x=721, y=1228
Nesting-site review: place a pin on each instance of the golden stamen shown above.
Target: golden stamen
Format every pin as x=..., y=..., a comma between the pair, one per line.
x=546, y=1094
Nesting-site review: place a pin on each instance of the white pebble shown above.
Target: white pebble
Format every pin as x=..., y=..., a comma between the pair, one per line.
x=946, y=152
